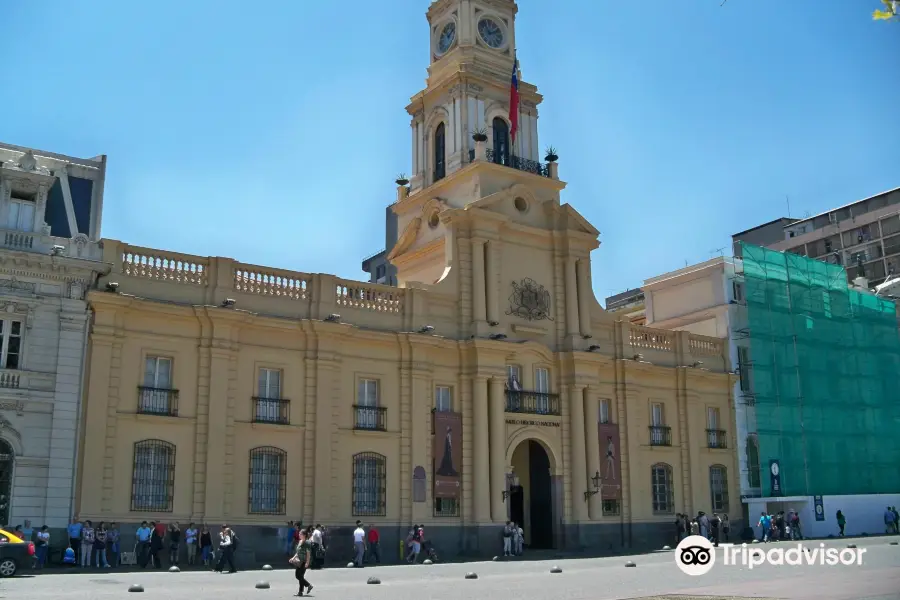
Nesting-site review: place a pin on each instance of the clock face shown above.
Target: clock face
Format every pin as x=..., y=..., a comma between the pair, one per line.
x=490, y=32
x=448, y=34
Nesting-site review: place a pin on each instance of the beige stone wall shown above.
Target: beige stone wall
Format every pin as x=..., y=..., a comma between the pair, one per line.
x=169, y=305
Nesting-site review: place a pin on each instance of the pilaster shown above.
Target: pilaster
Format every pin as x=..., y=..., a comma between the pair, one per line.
x=422, y=400
x=571, y=297
x=99, y=440
x=479, y=298
x=493, y=257
x=468, y=448
x=578, y=473
x=592, y=445
x=584, y=294
x=497, y=449
x=481, y=454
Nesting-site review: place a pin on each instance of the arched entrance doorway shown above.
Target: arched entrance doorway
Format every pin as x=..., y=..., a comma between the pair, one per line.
x=6, y=471
x=531, y=503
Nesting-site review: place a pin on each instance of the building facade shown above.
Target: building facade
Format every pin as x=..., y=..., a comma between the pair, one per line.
x=815, y=396
x=490, y=385
x=628, y=304
x=863, y=237
x=50, y=209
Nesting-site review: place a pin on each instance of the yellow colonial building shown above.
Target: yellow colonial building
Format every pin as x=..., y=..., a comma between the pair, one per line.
x=489, y=385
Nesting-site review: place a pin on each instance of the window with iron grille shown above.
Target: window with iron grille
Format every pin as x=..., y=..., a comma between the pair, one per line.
x=268, y=481
x=662, y=489
x=153, y=477
x=718, y=488
x=611, y=508
x=446, y=507
x=369, y=483
x=269, y=406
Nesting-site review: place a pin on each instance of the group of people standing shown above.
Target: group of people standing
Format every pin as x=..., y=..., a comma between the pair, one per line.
x=154, y=538
x=713, y=528
x=782, y=526
x=513, y=539
x=91, y=546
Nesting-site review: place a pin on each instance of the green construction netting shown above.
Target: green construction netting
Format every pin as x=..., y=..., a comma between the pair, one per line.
x=824, y=362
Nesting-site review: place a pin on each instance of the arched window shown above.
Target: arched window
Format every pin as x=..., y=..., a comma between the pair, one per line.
x=753, y=461
x=718, y=488
x=501, y=141
x=7, y=458
x=662, y=489
x=153, y=477
x=268, y=481
x=440, y=151
x=369, y=483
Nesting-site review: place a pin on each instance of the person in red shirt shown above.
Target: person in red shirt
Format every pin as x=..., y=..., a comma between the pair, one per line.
x=374, y=550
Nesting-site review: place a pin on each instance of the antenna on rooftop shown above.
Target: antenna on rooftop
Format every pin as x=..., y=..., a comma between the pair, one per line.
x=788, y=200
x=719, y=251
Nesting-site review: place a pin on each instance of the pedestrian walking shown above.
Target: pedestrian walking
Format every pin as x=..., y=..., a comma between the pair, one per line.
x=300, y=562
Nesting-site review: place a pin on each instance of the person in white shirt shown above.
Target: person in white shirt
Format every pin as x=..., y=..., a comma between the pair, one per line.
x=359, y=543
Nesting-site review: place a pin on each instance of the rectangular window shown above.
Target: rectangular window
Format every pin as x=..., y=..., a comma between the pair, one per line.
x=604, y=411
x=158, y=372
x=368, y=413
x=542, y=381
x=156, y=396
x=542, y=387
x=446, y=507
x=611, y=508
x=20, y=216
x=11, y=355
x=443, y=399
x=369, y=476
x=657, y=416
x=712, y=418
x=269, y=384
x=738, y=290
x=513, y=378
x=268, y=485
x=269, y=405
x=744, y=367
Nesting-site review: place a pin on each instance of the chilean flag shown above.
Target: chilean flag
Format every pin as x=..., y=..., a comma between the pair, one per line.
x=514, y=101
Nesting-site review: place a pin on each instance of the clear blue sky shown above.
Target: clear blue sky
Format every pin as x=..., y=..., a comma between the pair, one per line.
x=271, y=132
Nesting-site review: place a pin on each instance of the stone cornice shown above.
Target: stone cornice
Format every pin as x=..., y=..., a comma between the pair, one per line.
x=53, y=268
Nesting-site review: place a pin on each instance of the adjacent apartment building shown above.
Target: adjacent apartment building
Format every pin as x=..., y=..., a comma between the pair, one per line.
x=50, y=208
x=816, y=399
x=863, y=237
x=488, y=385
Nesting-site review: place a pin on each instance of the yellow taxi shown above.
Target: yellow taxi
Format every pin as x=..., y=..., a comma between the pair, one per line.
x=15, y=553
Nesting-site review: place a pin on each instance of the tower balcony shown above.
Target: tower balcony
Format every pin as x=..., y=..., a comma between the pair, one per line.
x=514, y=162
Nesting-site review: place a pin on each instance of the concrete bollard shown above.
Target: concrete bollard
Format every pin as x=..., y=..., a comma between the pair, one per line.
x=136, y=588
x=174, y=569
x=267, y=568
x=556, y=570
x=350, y=565
x=373, y=581
x=630, y=564
x=471, y=575
x=427, y=561
x=262, y=585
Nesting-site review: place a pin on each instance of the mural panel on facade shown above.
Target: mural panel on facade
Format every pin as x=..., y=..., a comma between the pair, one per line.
x=610, y=465
x=447, y=454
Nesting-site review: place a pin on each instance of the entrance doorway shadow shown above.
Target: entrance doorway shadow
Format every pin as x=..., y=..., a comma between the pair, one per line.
x=531, y=502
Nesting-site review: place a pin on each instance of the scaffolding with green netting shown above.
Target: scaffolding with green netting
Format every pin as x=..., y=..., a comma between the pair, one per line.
x=824, y=364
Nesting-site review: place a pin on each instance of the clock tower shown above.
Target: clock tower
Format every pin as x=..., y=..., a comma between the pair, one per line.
x=471, y=58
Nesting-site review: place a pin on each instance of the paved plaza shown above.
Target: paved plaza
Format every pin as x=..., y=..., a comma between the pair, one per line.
x=655, y=577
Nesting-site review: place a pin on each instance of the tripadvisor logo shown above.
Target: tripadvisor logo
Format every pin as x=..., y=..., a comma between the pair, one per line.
x=695, y=556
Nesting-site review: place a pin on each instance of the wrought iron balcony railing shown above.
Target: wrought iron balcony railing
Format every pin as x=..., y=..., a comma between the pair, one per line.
x=532, y=403
x=716, y=438
x=271, y=410
x=660, y=435
x=157, y=401
x=370, y=418
x=514, y=162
